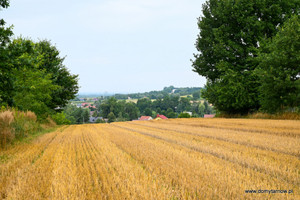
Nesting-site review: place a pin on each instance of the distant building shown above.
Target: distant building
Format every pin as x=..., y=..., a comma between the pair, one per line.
x=209, y=116
x=87, y=105
x=145, y=118
x=159, y=117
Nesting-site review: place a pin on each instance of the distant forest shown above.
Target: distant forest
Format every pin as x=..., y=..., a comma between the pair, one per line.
x=160, y=94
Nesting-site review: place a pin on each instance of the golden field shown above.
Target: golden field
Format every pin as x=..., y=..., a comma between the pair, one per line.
x=167, y=159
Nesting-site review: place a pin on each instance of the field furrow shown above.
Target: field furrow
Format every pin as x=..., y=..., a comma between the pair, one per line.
x=167, y=159
x=265, y=161
x=163, y=154
x=280, y=144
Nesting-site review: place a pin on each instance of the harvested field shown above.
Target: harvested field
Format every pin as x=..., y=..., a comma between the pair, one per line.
x=166, y=159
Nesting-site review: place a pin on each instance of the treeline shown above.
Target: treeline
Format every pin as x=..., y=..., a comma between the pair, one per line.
x=32, y=75
x=249, y=52
x=172, y=106
x=160, y=94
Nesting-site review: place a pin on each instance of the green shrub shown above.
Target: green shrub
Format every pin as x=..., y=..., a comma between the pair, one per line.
x=184, y=115
x=15, y=124
x=60, y=118
x=25, y=123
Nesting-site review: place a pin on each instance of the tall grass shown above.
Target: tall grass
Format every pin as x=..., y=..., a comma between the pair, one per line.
x=15, y=124
x=6, y=130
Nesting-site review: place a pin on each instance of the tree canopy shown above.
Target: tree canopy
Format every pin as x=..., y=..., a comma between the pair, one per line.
x=231, y=34
x=5, y=73
x=279, y=68
x=39, y=81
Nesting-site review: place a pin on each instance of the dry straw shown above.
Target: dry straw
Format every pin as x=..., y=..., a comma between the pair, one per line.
x=30, y=115
x=6, y=132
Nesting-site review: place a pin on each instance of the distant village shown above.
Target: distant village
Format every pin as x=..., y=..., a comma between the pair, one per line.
x=142, y=118
x=155, y=105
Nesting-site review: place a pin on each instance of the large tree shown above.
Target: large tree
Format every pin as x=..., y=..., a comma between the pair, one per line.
x=279, y=69
x=32, y=86
x=53, y=64
x=5, y=72
x=228, y=44
x=43, y=58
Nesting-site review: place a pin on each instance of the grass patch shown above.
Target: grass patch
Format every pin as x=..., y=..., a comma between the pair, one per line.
x=33, y=136
x=259, y=115
x=4, y=158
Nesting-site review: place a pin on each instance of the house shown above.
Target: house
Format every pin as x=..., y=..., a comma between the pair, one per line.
x=88, y=105
x=209, y=116
x=145, y=118
x=158, y=117
x=85, y=104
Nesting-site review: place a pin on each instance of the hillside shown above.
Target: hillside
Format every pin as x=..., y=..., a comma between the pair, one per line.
x=184, y=91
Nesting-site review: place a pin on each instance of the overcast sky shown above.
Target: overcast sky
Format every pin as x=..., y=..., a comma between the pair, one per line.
x=116, y=45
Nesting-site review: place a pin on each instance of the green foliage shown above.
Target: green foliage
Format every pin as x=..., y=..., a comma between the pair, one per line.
x=32, y=86
x=230, y=36
x=154, y=114
x=41, y=60
x=76, y=115
x=201, y=110
x=279, y=69
x=52, y=63
x=143, y=104
x=60, y=118
x=85, y=115
x=100, y=120
x=24, y=125
x=111, y=117
x=110, y=105
x=184, y=115
x=196, y=95
x=170, y=113
x=169, y=105
x=36, y=78
x=160, y=94
x=184, y=105
x=131, y=110
x=148, y=112
x=5, y=73
x=15, y=124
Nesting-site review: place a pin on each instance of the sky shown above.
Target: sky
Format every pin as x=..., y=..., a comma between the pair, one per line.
x=116, y=46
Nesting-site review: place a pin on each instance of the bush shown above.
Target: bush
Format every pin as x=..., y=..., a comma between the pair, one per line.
x=100, y=121
x=60, y=118
x=184, y=115
x=25, y=123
